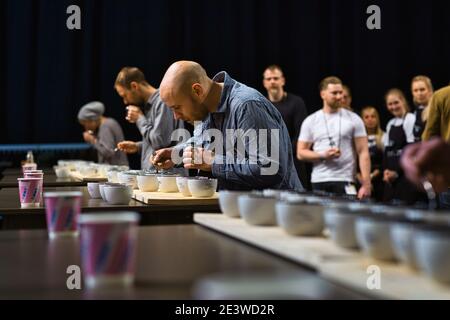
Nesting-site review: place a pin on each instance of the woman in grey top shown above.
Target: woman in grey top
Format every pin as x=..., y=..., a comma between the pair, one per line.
x=102, y=132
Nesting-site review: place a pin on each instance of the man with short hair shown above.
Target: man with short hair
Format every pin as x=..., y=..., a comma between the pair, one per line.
x=244, y=121
x=145, y=108
x=292, y=109
x=336, y=136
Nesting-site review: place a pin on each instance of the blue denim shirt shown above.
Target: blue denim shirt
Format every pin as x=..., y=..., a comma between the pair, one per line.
x=244, y=108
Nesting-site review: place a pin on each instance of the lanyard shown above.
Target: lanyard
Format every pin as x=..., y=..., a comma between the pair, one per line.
x=330, y=138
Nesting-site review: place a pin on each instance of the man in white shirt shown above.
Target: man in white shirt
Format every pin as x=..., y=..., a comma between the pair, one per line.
x=331, y=138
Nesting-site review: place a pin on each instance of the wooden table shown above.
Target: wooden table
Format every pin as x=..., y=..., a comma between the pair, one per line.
x=14, y=217
x=348, y=267
x=172, y=262
x=9, y=179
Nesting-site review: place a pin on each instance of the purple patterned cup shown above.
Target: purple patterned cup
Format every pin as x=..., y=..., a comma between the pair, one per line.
x=62, y=210
x=108, y=248
x=29, y=166
x=30, y=192
x=33, y=174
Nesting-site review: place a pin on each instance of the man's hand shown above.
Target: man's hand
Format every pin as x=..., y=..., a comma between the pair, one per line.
x=332, y=153
x=162, y=158
x=428, y=160
x=365, y=191
x=198, y=158
x=128, y=146
x=133, y=114
x=89, y=137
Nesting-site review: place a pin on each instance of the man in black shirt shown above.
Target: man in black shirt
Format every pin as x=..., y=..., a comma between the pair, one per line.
x=293, y=111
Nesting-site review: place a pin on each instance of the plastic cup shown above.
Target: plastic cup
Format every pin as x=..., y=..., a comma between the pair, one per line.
x=62, y=210
x=29, y=166
x=33, y=174
x=108, y=248
x=30, y=192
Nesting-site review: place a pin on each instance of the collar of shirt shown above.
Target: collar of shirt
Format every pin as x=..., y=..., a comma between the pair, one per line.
x=228, y=83
x=215, y=119
x=150, y=101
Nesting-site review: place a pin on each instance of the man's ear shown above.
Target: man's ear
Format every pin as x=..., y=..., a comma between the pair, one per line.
x=197, y=90
x=134, y=85
x=322, y=94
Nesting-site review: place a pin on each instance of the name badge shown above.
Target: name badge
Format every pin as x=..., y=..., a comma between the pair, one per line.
x=350, y=190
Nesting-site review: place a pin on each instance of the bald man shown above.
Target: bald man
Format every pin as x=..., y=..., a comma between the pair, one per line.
x=238, y=121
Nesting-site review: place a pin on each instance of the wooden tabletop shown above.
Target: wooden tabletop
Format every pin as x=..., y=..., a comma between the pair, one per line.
x=15, y=217
x=172, y=262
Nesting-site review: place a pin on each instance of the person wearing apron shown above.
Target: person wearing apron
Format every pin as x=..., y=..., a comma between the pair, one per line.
x=422, y=91
x=399, y=133
x=375, y=137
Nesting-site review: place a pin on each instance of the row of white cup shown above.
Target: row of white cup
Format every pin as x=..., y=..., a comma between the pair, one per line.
x=418, y=238
x=188, y=186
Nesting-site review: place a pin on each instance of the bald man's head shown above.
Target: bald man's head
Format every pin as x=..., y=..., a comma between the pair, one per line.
x=184, y=87
x=181, y=76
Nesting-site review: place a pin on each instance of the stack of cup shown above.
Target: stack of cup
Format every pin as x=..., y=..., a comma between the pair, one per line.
x=28, y=167
x=108, y=248
x=33, y=174
x=62, y=210
x=30, y=192
x=39, y=174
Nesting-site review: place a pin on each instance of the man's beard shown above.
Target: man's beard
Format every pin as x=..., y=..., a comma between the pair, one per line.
x=274, y=91
x=336, y=105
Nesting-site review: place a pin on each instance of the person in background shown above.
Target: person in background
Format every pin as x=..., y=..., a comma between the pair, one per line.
x=293, y=111
x=375, y=138
x=346, y=98
x=399, y=133
x=228, y=108
x=145, y=108
x=422, y=91
x=438, y=125
x=337, y=138
x=102, y=132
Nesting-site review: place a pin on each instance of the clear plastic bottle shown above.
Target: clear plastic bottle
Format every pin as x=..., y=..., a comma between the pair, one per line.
x=30, y=157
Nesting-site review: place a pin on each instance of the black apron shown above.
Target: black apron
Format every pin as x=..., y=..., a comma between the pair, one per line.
x=419, y=125
x=401, y=191
x=376, y=160
x=397, y=141
x=376, y=154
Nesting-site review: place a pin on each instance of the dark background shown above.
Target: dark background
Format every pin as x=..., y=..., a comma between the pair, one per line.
x=48, y=72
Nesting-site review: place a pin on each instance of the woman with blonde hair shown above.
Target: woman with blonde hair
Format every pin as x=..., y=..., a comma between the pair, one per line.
x=422, y=91
x=399, y=133
x=375, y=136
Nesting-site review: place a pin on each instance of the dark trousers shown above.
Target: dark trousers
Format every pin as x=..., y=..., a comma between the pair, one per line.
x=334, y=187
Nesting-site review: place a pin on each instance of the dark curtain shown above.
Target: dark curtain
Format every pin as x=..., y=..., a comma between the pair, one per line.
x=48, y=72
